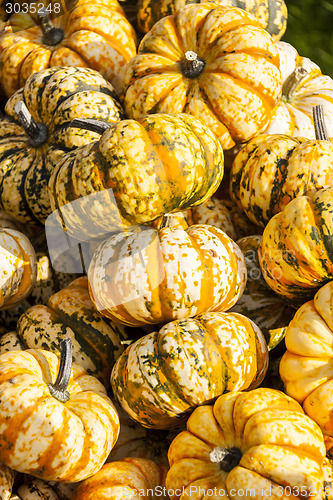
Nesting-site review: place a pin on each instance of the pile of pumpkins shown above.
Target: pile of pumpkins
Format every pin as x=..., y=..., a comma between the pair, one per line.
x=166, y=253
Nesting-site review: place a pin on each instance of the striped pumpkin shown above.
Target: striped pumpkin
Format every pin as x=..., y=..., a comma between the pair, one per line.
x=136, y=172
x=173, y=273
x=70, y=313
x=306, y=368
x=85, y=33
x=163, y=376
x=17, y=269
x=57, y=421
x=271, y=14
x=303, y=86
x=259, y=303
x=295, y=253
x=255, y=444
x=36, y=133
x=271, y=170
x=212, y=62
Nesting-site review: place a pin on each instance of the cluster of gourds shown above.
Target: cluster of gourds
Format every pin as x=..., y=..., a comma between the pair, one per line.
x=181, y=153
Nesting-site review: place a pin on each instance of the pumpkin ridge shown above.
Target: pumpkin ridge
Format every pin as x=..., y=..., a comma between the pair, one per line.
x=280, y=177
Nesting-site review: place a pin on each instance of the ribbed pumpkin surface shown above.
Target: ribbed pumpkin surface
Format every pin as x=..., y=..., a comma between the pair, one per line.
x=136, y=172
x=201, y=61
x=170, y=274
x=54, y=97
x=95, y=34
x=163, y=376
x=295, y=253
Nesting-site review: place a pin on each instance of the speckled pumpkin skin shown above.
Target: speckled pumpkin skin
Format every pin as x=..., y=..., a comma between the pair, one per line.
x=280, y=448
x=271, y=170
x=37, y=489
x=295, y=251
x=186, y=272
x=17, y=269
x=96, y=35
x=127, y=478
x=54, y=97
x=293, y=115
x=163, y=376
x=43, y=437
x=136, y=172
x=6, y=482
x=307, y=367
x=70, y=313
x=258, y=302
x=271, y=14
x=237, y=89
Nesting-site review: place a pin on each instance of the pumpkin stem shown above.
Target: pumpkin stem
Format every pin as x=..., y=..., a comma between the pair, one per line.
x=228, y=458
x=90, y=124
x=293, y=81
x=173, y=220
x=59, y=388
x=37, y=132
x=319, y=123
x=51, y=35
x=192, y=66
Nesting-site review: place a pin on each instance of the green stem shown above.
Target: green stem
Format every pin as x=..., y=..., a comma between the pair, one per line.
x=37, y=132
x=319, y=123
x=51, y=35
x=59, y=388
x=192, y=66
x=90, y=124
x=228, y=458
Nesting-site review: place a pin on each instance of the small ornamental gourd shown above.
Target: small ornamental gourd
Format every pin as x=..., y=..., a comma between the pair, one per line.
x=295, y=253
x=258, y=302
x=7, y=477
x=303, y=86
x=17, y=267
x=213, y=62
x=57, y=421
x=127, y=478
x=137, y=171
x=271, y=170
x=306, y=368
x=271, y=14
x=255, y=444
x=163, y=376
x=84, y=33
x=36, y=133
x=37, y=489
x=173, y=273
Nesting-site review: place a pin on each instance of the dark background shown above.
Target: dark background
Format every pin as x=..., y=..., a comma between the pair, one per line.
x=310, y=31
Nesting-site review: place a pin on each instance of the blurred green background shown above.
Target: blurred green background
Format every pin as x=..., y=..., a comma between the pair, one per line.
x=310, y=31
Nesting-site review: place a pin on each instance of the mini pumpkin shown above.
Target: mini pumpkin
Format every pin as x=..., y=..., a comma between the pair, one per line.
x=180, y=273
x=248, y=444
x=295, y=253
x=201, y=61
x=36, y=133
x=127, y=478
x=83, y=33
x=303, y=86
x=306, y=368
x=271, y=14
x=18, y=267
x=37, y=489
x=271, y=170
x=164, y=375
x=7, y=477
x=136, y=172
x=58, y=423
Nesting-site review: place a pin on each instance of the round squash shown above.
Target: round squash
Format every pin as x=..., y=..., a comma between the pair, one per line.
x=18, y=267
x=258, y=302
x=271, y=14
x=271, y=170
x=180, y=273
x=84, y=33
x=37, y=489
x=255, y=444
x=127, y=478
x=58, y=423
x=303, y=86
x=295, y=253
x=164, y=375
x=36, y=133
x=70, y=313
x=212, y=62
x=306, y=368
x=136, y=172
x=7, y=477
